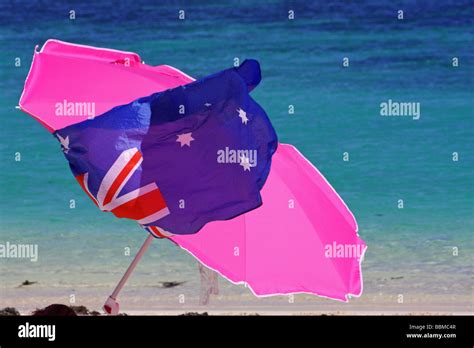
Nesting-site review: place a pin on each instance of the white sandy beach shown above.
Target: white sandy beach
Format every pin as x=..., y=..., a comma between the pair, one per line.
x=139, y=302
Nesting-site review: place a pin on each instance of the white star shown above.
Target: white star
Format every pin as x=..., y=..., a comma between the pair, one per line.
x=185, y=139
x=64, y=143
x=243, y=115
x=244, y=162
x=208, y=104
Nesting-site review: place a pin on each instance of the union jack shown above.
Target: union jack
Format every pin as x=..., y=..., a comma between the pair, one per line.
x=145, y=204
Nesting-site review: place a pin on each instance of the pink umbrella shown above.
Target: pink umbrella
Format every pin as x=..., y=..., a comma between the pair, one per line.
x=303, y=239
x=68, y=73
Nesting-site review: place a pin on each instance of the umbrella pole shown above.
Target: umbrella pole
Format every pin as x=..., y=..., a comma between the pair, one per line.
x=111, y=306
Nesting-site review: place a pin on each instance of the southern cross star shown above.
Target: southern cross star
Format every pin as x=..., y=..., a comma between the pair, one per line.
x=64, y=143
x=185, y=139
x=243, y=116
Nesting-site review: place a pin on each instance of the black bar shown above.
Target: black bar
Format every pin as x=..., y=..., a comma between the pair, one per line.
x=217, y=330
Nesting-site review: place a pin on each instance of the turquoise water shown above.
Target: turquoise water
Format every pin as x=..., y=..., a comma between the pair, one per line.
x=336, y=111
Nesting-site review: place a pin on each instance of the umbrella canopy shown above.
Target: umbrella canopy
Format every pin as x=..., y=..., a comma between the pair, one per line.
x=303, y=239
x=65, y=75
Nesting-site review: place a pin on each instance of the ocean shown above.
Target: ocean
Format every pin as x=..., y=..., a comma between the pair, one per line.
x=409, y=182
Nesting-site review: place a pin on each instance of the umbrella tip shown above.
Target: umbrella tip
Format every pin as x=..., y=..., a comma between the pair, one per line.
x=18, y=107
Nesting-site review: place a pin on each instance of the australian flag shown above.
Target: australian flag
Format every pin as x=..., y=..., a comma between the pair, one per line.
x=178, y=159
